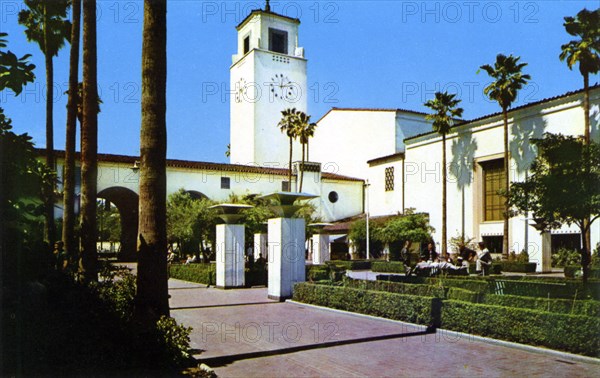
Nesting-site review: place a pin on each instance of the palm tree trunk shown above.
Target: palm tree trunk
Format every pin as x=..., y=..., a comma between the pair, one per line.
x=444, y=225
x=89, y=146
x=307, y=158
x=290, y=166
x=586, y=137
x=50, y=230
x=506, y=184
x=586, y=108
x=302, y=168
x=68, y=232
x=152, y=291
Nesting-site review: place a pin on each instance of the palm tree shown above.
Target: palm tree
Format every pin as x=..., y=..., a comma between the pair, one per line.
x=68, y=232
x=508, y=80
x=304, y=130
x=444, y=112
x=47, y=25
x=152, y=292
x=89, y=145
x=584, y=51
x=287, y=125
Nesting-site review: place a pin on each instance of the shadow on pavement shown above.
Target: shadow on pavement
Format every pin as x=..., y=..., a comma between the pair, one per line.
x=226, y=360
x=223, y=305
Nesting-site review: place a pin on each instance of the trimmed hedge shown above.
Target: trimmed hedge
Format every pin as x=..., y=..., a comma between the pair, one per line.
x=351, y=264
x=317, y=273
x=408, y=308
x=396, y=287
x=572, y=269
x=199, y=273
x=518, y=267
x=532, y=289
x=464, y=295
x=387, y=267
x=572, y=333
x=563, y=306
x=477, y=284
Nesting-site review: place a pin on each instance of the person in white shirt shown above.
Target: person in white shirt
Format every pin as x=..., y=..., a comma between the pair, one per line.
x=484, y=260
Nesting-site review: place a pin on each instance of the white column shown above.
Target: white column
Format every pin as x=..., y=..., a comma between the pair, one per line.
x=286, y=256
x=230, y=256
x=320, y=244
x=260, y=246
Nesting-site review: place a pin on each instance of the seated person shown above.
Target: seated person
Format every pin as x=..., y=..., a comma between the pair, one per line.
x=423, y=268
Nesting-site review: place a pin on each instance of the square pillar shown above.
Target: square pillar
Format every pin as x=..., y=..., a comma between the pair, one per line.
x=260, y=246
x=230, y=256
x=320, y=248
x=287, y=262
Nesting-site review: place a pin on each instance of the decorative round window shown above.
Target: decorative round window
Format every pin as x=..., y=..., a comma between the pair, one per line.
x=333, y=197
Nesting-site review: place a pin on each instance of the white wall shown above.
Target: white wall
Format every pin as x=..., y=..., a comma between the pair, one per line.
x=208, y=182
x=483, y=140
x=346, y=139
x=382, y=202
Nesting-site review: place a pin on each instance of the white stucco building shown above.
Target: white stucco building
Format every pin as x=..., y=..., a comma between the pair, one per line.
x=393, y=151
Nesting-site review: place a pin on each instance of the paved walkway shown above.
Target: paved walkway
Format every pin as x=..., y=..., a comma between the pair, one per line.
x=240, y=333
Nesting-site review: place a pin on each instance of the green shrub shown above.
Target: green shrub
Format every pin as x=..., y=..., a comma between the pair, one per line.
x=571, y=333
x=396, y=287
x=351, y=264
x=522, y=257
x=574, y=271
x=497, y=268
x=596, y=256
x=533, y=289
x=515, y=266
x=387, y=267
x=117, y=294
x=317, y=272
x=564, y=257
x=408, y=308
x=562, y=306
x=475, y=285
x=464, y=295
x=403, y=279
x=174, y=340
x=199, y=273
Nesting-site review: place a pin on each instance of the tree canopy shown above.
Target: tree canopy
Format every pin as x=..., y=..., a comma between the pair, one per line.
x=563, y=187
x=408, y=226
x=564, y=182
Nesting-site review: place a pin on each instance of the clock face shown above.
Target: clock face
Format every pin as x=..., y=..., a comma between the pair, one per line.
x=283, y=88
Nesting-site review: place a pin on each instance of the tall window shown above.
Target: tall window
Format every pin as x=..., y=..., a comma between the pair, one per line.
x=246, y=44
x=285, y=186
x=493, y=181
x=389, y=179
x=278, y=41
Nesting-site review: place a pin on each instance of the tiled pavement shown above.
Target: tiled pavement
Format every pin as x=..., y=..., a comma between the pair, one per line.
x=240, y=333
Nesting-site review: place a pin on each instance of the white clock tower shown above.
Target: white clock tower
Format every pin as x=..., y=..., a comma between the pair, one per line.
x=268, y=75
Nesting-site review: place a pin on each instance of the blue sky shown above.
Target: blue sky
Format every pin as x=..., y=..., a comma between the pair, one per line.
x=383, y=54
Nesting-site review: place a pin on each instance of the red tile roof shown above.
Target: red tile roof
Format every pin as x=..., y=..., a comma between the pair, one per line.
x=200, y=165
x=543, y=101
x=371, y=110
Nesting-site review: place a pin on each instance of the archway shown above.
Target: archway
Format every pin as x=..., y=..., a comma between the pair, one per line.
x=126, y=201
x=196, y=195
